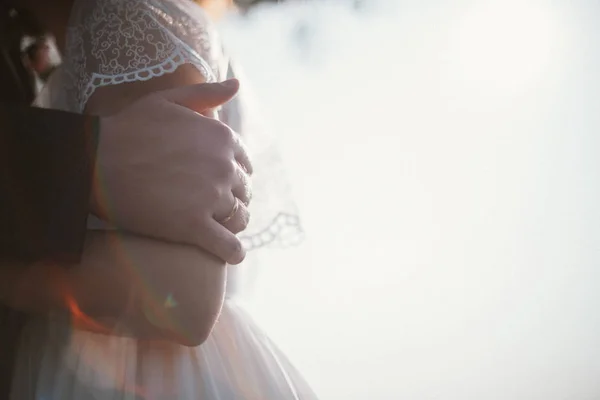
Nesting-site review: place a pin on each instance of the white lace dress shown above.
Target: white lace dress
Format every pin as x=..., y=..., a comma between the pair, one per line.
x=114, y=41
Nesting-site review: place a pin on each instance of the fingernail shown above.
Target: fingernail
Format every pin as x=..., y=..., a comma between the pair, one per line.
x=238, y=258
x=230, y=83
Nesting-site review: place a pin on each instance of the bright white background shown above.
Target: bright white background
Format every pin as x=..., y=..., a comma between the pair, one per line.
x=445, y=157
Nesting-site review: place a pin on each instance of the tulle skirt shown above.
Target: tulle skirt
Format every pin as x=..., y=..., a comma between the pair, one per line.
x=237, y=362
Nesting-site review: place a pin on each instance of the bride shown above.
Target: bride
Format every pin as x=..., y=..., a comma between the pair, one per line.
x=115, y=52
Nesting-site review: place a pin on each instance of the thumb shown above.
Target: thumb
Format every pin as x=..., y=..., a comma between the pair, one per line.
x=203, y=96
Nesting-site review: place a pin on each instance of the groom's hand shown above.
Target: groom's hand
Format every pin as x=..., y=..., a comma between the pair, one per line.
x=166, y=171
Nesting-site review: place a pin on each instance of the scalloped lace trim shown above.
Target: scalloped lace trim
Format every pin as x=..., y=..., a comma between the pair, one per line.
x=175, y=61
x=284, y=230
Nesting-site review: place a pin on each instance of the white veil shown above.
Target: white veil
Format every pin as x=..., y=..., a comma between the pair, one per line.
x=274, y=214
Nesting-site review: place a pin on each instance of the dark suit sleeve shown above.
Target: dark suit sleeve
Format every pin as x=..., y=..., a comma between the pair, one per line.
x=46, y=167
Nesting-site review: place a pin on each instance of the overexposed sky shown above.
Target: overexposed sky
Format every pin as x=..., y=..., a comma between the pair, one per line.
x=445, y=157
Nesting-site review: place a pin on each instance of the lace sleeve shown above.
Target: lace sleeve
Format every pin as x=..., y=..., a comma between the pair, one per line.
x=116, y=41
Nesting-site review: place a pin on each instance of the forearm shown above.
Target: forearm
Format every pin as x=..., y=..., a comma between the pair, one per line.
x=120, y=275
x=145, y=273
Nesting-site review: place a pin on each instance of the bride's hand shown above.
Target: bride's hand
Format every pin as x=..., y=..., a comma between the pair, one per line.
x=166, y=171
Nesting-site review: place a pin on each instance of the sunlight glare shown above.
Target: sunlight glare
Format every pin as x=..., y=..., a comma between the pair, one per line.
x=503, y=45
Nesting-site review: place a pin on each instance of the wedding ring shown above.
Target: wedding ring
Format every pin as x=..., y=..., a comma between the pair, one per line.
x=234, y=210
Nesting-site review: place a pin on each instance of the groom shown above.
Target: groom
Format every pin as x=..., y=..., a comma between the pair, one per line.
x=57, y=167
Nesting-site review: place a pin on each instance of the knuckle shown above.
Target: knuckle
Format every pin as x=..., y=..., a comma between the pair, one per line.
x=248, y=169
x=211, y=126
x=226, y=171
x=244, y=161
x=222, y=132
x=228, y=136
x=230, y=167
x=242, y=147
x=212, y=194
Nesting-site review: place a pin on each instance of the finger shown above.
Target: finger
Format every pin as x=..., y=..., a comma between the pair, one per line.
x=237, y=216
x=226, y=208
x=204, y=96
x=221, y=242
x=240, y=219
x=242, y=188
x=211, y=113
x=241, y=155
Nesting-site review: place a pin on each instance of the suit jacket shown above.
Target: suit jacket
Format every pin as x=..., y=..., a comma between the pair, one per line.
x=46, y=166
x=46, y=163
